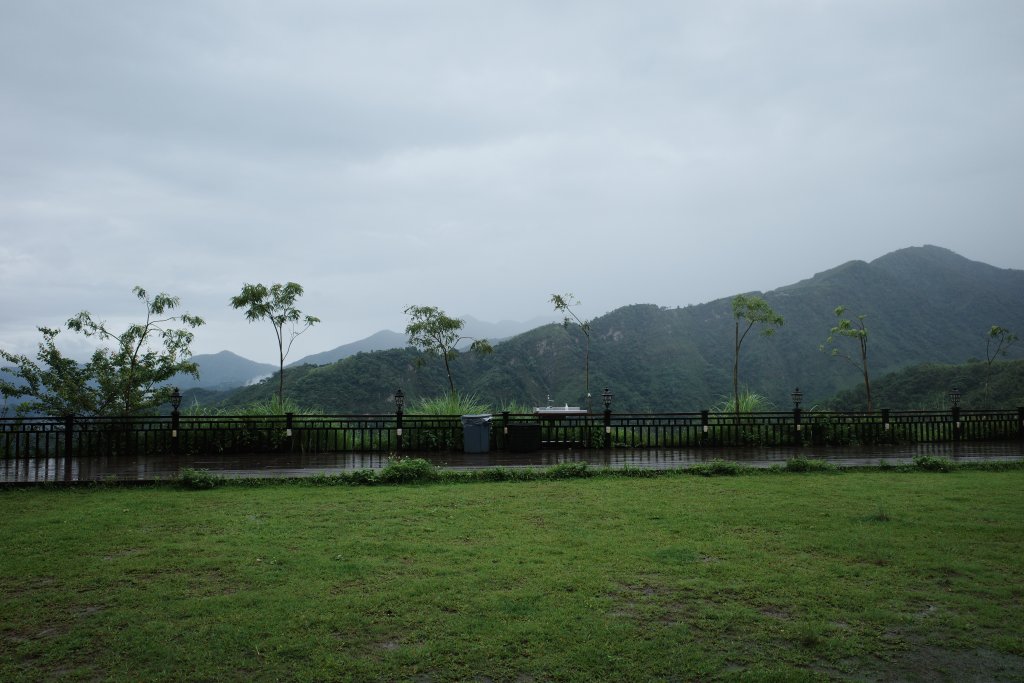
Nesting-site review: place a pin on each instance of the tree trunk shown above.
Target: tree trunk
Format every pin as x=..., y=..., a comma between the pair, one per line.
x=736, y=375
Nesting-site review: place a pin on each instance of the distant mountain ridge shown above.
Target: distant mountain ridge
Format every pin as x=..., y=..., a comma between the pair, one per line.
x=224, y=370
x=379, y=341
x=923, y=304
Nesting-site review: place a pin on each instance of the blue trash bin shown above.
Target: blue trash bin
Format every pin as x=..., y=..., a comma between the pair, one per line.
x=476, y=433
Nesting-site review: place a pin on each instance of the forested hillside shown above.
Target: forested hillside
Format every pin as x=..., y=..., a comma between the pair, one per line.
x=922, y=305
x=927, y=386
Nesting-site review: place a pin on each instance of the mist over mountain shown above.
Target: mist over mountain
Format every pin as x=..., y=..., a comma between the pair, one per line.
x=223, y=370
x=922, y=305
x=387, y=339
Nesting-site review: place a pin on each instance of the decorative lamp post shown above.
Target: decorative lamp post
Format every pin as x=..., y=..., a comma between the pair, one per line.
x=954, y=400
x=399, y=409
x=954, y=397
x=175, y=419
x=606, y=398
x=797, y=397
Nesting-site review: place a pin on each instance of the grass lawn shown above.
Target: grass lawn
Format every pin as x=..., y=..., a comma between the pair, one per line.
x=859, y=575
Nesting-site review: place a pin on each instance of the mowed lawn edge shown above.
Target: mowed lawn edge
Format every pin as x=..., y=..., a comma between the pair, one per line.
x=860, y=575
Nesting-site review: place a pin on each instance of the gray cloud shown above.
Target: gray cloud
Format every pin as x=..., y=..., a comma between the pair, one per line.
x=480, y=156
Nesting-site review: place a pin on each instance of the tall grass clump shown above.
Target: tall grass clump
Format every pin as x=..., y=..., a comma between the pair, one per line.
x=271, y=407
x=452, y=403
x=750, y=402
x=514, y=407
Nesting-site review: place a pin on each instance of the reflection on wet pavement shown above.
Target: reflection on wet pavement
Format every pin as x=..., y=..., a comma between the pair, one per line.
x=163, y=467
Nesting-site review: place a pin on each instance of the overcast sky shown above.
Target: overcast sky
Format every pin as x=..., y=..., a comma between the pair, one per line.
x=480, y=156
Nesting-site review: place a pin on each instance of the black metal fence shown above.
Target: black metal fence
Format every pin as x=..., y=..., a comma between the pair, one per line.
x=398, y=433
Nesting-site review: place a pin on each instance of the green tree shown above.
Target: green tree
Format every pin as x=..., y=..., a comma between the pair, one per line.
x=563, y=303
x=276, y=304
x=747, y=312
x=997, y=343
x=852, y=329
x=125, y=377
x=433, y=332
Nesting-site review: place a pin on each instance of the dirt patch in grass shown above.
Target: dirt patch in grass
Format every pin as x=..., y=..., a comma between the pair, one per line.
x=929, y=663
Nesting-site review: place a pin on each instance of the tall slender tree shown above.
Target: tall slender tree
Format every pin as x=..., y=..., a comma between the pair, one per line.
x=997, y=343
x=276, y=304
x=852, y=329
x=747, y=312
x=435, y=333
x=564, y=303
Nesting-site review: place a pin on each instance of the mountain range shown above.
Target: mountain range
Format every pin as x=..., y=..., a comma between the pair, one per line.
x=921, y=305
x=226, y=370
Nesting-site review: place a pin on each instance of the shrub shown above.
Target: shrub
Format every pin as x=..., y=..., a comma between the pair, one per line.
x=361, y=477
x=502, y=474
x=407, y=471
x=570, y=470
x=190, y=478
x=802, y=464
x=716, y=468
x=932, y=464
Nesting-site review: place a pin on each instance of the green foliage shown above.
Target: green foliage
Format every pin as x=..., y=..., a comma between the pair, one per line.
x=930, y=463
x=748, y=311
x=433, y=332
x=803, y=464
x=563, y=303
x=928, y=305
x=198, y=479
x=514, y=407
x=266, y=408
x=408, y=471
x=749, y=402
x=926, y=386
x=997, y=343
x=126, y=377
x=570, y=470
x=858, y=331
x=717, y=468
x=276, y=304
x=449, y=404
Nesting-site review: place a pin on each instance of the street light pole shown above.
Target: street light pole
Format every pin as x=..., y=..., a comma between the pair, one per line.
x=606, y=398
x=399, y=412
x=175, y=419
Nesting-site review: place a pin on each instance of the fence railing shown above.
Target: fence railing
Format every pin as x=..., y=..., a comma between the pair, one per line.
x=398, y=433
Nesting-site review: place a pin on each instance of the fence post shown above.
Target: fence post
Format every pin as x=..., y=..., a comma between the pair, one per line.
x=175, y=426
x=69, y=434
x=1020, y=422
x=885, y=423
x=956, y=423
x=288, y=424
x=504, y=429
x=703, y=425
